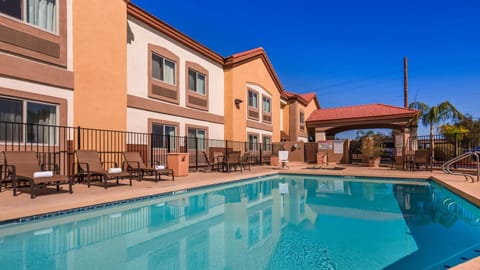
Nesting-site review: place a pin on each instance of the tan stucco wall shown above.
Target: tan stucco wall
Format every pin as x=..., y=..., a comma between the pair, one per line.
x=236, y=79
x=100, y=60
x=286, y=119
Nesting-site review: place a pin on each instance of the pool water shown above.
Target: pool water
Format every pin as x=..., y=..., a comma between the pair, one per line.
x=276, y=222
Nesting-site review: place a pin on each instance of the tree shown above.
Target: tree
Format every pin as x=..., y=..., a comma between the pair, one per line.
x=433, y=116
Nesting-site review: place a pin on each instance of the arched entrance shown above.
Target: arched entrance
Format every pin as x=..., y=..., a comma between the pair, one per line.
x=323, y=124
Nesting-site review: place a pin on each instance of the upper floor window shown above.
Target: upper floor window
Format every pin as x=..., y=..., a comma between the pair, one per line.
x=266, y=105
x=41, y=13
x=163, y=69
x=35, y=121
x=302, y=121
x=196, y=82
x=252, y=99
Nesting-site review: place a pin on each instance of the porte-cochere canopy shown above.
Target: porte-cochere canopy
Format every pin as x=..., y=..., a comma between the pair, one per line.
x=335, y=120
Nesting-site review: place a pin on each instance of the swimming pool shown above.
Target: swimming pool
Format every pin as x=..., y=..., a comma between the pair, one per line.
x=275, y=222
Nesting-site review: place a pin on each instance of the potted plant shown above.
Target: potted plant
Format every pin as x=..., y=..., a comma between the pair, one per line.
x=372, y=150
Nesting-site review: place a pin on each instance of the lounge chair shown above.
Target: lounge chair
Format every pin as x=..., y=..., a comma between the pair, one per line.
x=135, y=164
x=233, y=161
x=89, y=165
x=24, y=166
x=283, y=158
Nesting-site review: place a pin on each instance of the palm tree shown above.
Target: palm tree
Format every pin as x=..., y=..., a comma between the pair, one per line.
x=432, y=116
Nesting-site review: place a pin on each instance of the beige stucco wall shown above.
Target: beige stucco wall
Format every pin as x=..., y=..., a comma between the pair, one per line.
x=138, y=122
x=137, y=79
x=237, y=78
x=100, y=63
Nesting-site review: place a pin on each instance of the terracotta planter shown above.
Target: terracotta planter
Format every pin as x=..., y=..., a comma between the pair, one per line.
x=374, y=162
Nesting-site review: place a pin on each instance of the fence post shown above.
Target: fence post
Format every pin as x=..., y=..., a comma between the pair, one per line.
x=261, y=158
x=196, y=153
x=78, y=138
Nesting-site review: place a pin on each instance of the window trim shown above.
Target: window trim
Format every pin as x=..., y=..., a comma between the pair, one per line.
x=163, y=86
x=253, y=109
x=205, y=128
x=152, y=121
x=249, y=143
x=263, y=142
x=191, y=94
x=36, y=42
x=301, y=126
x=24, y=120
x=264, y=113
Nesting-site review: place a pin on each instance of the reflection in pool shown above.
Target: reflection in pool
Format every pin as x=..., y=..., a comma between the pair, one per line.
x=310, y=223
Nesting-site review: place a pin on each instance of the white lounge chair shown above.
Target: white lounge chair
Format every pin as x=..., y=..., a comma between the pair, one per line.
x=283, y=158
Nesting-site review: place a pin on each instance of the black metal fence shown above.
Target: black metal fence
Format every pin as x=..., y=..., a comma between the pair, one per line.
x=446, y=147
x=57, y=145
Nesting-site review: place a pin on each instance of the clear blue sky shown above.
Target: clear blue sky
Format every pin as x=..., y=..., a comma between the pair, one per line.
x=348, y=52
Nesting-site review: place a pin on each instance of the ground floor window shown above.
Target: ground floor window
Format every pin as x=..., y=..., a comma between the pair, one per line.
x=197, y=138
x=252, y=142
x=164, y=136
x=35, y=120
x=267, y=143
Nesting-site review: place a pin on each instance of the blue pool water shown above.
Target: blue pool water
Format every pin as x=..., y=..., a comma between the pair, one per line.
x=276, y=222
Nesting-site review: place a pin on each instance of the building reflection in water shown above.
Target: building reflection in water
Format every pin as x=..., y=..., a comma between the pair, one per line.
x=315, y=223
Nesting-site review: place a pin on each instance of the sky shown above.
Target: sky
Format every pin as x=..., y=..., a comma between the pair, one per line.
x=349, y=52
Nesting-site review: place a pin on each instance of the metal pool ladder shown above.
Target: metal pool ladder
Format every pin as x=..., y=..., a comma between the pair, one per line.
x=446, y=167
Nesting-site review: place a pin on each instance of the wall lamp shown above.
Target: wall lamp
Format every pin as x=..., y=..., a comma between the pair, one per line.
x=237, y=102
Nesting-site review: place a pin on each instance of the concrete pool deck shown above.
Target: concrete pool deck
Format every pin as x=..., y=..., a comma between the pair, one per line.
x=50, y=200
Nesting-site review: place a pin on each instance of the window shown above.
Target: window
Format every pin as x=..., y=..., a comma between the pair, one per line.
x=266, y=105
x=163, y=69
x=267, y=143
x=302, y=121
x=197, y=138
x=42, y=117
x=163, y=136
x=252, y=99
x=41, y=13
x=196, y=82
x=252, y=142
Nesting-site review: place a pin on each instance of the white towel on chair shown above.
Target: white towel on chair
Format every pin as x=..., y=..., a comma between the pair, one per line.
x=42, y=174
x=159, y=167
x=114, y=170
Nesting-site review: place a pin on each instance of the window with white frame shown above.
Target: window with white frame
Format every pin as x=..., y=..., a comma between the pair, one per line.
x=196, y=82
x=197, y=138
x=163, y=136
x=163, y=69
x=35, y=120
x=252, y=99
x=302, y=121
x=252, y=142
x=267, y=143
x=267, y=108
x=41, y=13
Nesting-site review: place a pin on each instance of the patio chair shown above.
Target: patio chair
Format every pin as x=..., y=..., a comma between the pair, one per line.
x=233, y=161
x=134, y=163
x=214, y=164
x=246, y=161
x=24, y=166
x=422, y=157
x=283, y=158
x=89, y=164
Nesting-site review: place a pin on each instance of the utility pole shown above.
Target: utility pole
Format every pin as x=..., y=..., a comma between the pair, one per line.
x=405, y=82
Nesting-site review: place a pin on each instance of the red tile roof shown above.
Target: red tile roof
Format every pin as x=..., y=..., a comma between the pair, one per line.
x=307, y=96
x=359, y=111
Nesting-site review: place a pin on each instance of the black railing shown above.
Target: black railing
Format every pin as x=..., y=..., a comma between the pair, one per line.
x=56, y=145
x=446, y=147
